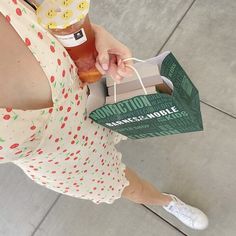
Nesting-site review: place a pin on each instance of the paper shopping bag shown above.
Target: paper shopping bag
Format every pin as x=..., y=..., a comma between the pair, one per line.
x=156, y=114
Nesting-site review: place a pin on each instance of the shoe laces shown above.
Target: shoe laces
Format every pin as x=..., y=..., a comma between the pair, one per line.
x=179, y=208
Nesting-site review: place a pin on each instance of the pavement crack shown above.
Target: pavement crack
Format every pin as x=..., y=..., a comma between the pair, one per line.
x=45, y=216
x=149, y=209
x=178, y=23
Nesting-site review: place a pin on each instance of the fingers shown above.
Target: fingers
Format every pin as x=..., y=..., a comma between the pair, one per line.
x=123, y=53
x=124, y=70
x=99, y=68
x=111, y=62
x=103, y=59
x=113, y=70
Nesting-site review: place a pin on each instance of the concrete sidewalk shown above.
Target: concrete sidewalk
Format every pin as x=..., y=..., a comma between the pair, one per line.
x=197, y=167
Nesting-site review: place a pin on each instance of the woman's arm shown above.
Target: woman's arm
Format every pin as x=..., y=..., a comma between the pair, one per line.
x=96, y=27
x=111, y=52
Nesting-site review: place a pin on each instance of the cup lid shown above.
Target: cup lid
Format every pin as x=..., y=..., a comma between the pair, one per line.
x=59, y=14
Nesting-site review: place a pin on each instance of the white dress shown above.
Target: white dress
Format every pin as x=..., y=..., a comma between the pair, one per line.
x=59, y=147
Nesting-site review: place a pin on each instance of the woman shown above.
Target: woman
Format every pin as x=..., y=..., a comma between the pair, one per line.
x=43, y=126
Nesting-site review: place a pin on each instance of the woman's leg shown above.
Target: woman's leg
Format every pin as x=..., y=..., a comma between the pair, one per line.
x=141, y=191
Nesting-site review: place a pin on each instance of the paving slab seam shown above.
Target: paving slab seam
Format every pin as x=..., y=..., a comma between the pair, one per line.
x=44, y=217
x=164, y=220
x=218, y=109
x=178, y=23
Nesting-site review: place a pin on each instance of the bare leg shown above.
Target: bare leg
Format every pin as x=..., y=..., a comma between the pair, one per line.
x=143, y=192
x=140, y=191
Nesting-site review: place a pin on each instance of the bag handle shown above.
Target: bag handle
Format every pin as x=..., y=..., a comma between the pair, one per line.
x=136, y=72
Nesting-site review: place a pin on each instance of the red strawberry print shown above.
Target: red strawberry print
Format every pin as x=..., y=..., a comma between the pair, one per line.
x=33, y=127
x=8, y=18
x=18, y=11
x=6, y=117
x=51, y=163
x=63, y=73
x=52, y=48
x=40, y=35
x=52, y=78
x=15, y=145
x=27, y=42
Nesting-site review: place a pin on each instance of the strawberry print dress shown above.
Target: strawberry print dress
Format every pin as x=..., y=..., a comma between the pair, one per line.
x=59, y=147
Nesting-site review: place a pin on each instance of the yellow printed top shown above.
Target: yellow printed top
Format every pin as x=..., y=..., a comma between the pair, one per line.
x=59, y=14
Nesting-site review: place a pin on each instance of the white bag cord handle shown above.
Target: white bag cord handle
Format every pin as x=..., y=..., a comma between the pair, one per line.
x=136, y=72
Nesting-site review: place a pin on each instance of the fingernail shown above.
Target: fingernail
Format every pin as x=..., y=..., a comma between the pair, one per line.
x=104, y=66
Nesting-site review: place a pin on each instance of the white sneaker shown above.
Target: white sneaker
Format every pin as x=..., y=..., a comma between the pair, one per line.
x=190, y=216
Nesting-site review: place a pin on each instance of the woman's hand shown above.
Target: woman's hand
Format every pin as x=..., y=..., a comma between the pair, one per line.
x=111, y=52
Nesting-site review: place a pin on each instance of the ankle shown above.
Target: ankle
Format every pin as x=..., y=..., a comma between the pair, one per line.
x=166, y=199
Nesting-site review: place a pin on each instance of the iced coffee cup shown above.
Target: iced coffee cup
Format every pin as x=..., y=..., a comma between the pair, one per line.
x=69, y=22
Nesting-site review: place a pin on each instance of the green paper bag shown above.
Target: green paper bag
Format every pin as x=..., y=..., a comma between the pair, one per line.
x=156, y=114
